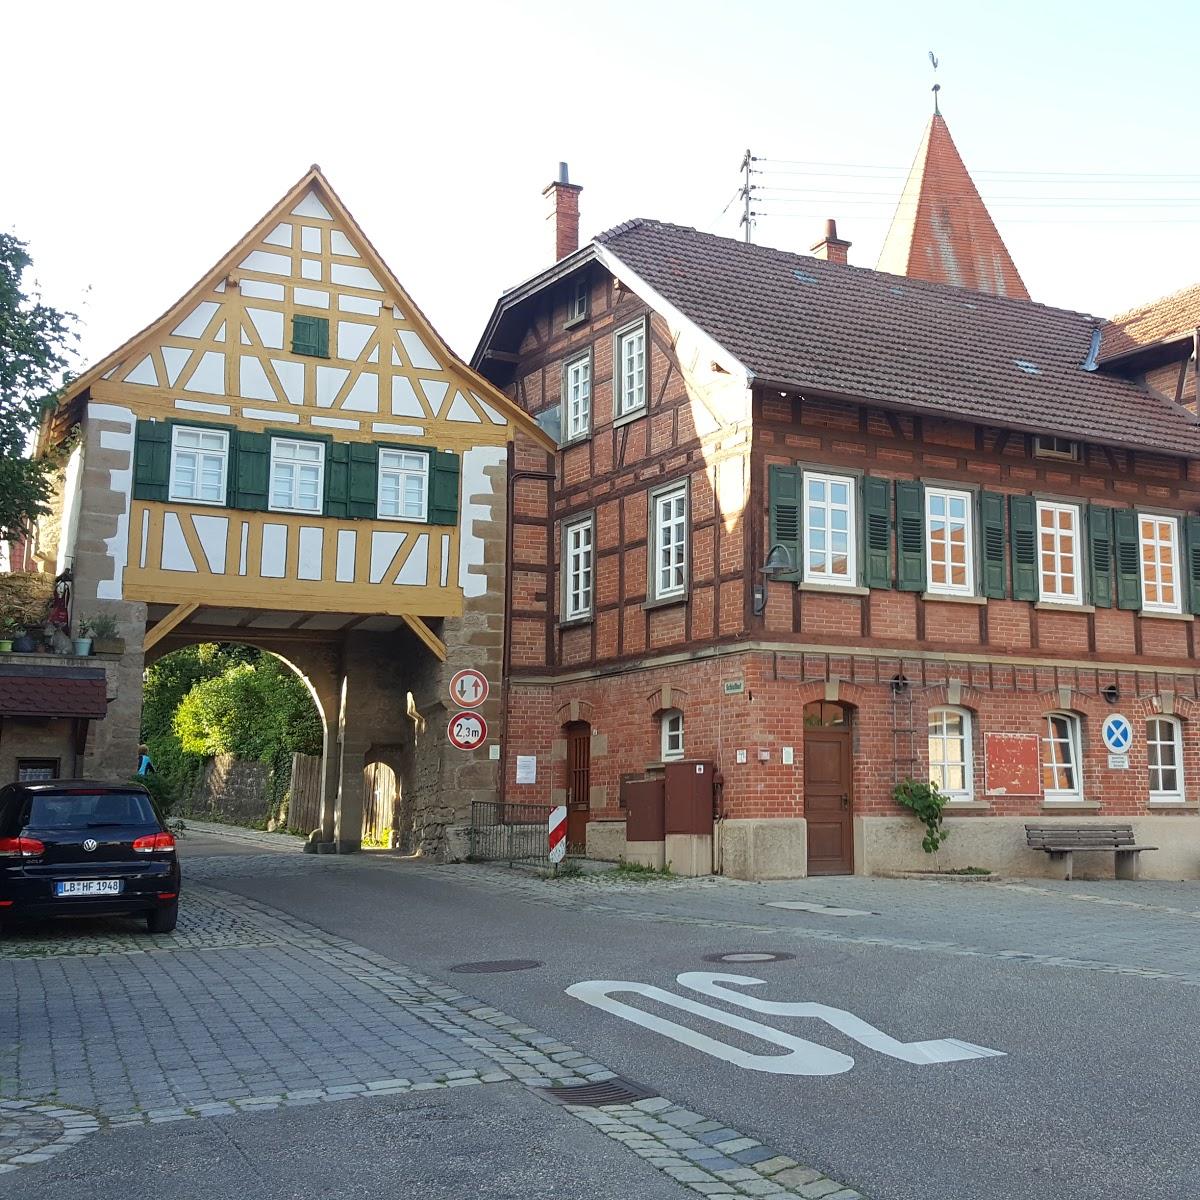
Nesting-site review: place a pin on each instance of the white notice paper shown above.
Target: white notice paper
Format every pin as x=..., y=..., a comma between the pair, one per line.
x=526, y=768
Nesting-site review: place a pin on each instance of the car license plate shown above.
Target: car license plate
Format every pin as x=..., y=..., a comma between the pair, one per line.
x=88, y=887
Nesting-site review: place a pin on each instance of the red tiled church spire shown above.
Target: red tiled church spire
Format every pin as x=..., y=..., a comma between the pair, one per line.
x=942, y=232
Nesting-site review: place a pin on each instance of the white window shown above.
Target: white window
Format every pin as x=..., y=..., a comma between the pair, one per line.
x=1159, y=540
x=669, y=542
x=950, y=542
x=1055, y=447
x=403, y=485
x=829, y=529
x=1164, y=756
x=577, y=569
x=297, y=476
x=577, y=302
x=950, y=765
x=1060, y=569
x=577, y=384
x=631, y=369
x=1060, y=758
x=199, y=464
x=672, y=734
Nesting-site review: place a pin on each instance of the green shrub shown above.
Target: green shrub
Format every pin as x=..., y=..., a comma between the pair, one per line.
x=926, y=801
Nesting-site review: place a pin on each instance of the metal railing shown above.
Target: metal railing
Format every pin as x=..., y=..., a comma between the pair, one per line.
x=509, y=832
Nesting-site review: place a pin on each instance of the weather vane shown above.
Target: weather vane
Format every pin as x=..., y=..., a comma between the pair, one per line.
x=937, y=87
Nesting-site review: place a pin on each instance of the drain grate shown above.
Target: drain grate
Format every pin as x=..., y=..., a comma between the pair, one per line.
x=749, y=956
x=596, y=1095
x=501, y=964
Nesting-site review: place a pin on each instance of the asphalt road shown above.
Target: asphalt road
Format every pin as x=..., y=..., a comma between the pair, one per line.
x=1096, y=1094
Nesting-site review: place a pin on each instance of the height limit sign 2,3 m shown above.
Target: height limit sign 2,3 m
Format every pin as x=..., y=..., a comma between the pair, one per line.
x=467, y=730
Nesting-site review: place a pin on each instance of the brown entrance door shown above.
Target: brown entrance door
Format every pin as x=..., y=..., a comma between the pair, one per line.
x=828, y=791
x=579, y=783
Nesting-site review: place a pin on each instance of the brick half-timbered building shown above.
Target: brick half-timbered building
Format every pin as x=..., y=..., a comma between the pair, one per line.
x=978, y=516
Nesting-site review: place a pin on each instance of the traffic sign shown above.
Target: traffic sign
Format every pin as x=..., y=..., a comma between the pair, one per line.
x=469, y=688
x=556, y=830
x=1117, y=733
x=467, y=730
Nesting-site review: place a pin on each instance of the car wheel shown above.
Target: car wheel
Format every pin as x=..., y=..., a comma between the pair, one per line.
x=162, y=920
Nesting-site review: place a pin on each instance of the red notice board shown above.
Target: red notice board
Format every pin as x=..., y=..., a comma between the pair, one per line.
x=1012, y=764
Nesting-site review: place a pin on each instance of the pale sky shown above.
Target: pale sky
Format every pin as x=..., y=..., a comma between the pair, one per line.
x=152, y=136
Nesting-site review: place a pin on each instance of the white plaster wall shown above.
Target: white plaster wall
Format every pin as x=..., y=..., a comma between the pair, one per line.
x=121, y=484
x=477, y=493
x=69, y=529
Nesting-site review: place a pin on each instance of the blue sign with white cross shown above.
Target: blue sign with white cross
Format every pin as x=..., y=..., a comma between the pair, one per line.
x=1117, y=734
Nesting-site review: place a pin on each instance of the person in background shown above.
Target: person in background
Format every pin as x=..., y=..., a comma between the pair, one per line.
x=145, y=766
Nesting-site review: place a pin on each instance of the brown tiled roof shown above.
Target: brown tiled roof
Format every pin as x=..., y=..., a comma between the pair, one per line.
x=810, y=325
x=51, y=692
x=1177, y=315
x=942, y=230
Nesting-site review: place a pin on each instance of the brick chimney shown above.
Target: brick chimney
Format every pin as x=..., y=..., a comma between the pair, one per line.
x=564, y=213
x=831, y=247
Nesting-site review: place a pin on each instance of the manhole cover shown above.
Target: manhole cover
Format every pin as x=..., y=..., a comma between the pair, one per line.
x=748, y=956
x=502, y=964
x=595, y=1095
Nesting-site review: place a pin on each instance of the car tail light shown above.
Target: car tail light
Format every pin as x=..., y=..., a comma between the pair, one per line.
x=154, y=842
x=21, y=847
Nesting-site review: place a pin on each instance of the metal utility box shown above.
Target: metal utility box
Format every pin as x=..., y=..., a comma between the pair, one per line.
x=644, y=810
x=690, y=796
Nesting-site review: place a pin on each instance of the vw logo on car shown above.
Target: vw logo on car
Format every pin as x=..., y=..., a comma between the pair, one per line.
x=89, y=844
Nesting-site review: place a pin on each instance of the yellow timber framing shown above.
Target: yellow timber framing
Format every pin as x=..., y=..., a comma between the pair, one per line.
x=426, y=635
x=176, y=616
x=228, y=267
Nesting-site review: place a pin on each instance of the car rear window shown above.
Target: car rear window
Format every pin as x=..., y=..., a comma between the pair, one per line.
x=71, y=809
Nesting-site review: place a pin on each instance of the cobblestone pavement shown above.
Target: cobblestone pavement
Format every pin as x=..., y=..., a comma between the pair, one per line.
x=246, y=1009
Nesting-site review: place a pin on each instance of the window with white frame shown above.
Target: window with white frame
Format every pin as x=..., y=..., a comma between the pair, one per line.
x=1061, y=744
x=1164, y=757
x=577, y=386
x=1055, y=447
x=577, y=568
x=950, y=541
x=830, y=553
x=403, y=485
x=199, y=464
x=1060, y=569
x=1158, y=539
x=669, y=542
x=577, y=300
x=672, y=734
x=297, y=475
x=950, y=762
x=631, y=369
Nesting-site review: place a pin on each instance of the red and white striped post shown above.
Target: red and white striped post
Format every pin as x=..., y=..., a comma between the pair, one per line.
x=556, y=830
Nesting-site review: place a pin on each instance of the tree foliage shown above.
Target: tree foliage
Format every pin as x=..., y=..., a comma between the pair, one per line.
x=36, y=341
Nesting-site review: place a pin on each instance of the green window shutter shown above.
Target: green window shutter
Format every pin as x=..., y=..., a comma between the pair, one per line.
x=337, y=480
x=1100, y=526
x=310, y=335
x=991, y=538
x=784, y=484
x=152, y=460
x=1022, y=528
x=1191, y=551
x=877, y=533
x=364, y=480
x=252, y=467
x=1129, y=568
x=910, y=536
x=443, y=487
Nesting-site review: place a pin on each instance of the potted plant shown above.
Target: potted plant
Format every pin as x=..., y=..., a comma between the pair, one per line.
x=8, y=630
x=103, y=628
x=83, y=638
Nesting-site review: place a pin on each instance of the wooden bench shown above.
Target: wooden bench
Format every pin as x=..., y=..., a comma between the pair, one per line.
x=1061, y=842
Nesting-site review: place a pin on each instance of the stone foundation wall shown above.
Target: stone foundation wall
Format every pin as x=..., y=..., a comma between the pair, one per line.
x=232, y=790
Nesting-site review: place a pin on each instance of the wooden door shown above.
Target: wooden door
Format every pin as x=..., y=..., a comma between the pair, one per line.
x=579, y=783
x=828, y=801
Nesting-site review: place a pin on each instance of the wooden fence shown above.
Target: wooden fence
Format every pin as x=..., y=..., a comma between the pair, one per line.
x=304, y=809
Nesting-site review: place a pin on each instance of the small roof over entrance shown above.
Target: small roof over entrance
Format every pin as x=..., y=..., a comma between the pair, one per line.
x=52, y=692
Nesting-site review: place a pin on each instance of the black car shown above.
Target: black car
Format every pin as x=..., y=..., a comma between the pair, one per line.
x=77, y=848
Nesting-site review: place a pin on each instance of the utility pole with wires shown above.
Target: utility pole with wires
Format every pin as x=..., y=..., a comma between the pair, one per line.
x=747, y=187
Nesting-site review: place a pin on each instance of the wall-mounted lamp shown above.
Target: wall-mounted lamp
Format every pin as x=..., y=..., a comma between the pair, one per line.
x=779, y=560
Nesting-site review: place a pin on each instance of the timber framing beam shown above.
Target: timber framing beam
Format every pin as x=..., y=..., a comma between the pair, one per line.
x=427, y=635
x=176, y=616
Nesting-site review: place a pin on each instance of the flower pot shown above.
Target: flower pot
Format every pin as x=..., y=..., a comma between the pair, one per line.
x=24, y=644
x=113, y=645
x=83, y=647
x=5, y=645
